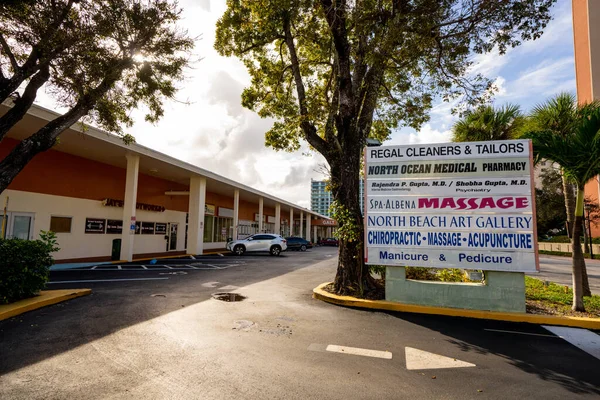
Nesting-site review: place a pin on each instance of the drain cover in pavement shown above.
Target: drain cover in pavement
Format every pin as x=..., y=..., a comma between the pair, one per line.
x=228, y=297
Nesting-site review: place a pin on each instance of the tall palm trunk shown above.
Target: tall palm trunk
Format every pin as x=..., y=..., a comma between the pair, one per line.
x=570, y=207
x=578, y=261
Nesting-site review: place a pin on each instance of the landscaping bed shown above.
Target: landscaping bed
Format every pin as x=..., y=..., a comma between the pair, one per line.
x=554, y=299
x=541, y=298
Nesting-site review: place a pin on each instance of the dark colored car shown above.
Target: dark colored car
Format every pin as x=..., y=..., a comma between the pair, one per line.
x=297, y=243
x=330, y=242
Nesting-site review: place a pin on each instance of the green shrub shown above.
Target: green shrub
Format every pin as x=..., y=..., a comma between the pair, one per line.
x=452, y=275
x=377, y=269
x=25, y=266
x=421, y=274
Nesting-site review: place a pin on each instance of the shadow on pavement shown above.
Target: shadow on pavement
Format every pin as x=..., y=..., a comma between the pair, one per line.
x=46, y=332
x=550, y=359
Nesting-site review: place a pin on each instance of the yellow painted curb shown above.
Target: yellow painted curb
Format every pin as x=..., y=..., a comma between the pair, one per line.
x=348, y=301
x=45, y=298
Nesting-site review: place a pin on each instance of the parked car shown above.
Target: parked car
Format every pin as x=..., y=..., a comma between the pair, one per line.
x=298, y=243
x=270, y=242
x=330, y=242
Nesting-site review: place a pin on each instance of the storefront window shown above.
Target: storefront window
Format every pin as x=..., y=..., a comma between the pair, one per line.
x=223, y=229
x=208, y=228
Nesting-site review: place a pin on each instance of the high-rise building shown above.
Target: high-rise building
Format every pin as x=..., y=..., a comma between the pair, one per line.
x=321, y=198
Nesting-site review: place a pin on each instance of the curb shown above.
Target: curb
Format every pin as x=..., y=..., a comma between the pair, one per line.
x=209, y=252
x=45, y=298
x=348, y=301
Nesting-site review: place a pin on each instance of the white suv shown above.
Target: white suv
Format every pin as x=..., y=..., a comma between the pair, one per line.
x=270, y=242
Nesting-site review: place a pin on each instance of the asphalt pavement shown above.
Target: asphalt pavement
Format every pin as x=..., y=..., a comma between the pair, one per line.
x=559, y=270
x=159, y=334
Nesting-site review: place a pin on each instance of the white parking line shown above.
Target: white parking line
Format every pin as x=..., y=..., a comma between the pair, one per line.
x=520, y=333
x=109, y=280
x=586, y=340
x=143, y=266
x=356, y=351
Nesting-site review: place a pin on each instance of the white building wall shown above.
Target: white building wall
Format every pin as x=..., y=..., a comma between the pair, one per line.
x=79, y=244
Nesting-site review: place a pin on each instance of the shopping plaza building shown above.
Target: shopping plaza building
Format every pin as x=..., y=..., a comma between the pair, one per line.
x=110, y=201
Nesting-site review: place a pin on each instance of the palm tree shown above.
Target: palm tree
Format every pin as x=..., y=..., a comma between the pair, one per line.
x=578, y=154
x=560, y=115
x=489, y=123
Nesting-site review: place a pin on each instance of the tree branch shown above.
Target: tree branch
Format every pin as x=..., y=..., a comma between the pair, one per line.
x=11, y=56
x=310, y=131
x=19, y=109
x=336, y=19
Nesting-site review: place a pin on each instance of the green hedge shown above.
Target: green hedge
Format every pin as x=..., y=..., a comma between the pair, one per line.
x=25, y=266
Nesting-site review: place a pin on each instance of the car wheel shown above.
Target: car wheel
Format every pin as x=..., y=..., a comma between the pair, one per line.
x=275, y=250
x=303, y=247
x=239, y=250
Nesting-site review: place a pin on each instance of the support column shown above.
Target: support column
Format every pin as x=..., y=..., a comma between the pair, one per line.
x=236, y=213
x=308, y=218
x=301, y=221
x=314, y=234
x=130, y=200
x=291, y=221
x=277, y=219
x=196, y=215
x=260, y=215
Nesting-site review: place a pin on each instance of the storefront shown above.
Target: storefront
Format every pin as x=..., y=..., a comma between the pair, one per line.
x=108, y=200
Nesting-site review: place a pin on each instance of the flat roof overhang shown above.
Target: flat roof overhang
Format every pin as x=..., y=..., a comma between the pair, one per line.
x=98, y=145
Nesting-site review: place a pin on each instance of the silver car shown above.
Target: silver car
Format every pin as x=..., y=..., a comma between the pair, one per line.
x=270, y=242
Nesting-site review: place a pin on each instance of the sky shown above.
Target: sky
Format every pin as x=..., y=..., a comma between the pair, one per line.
x=214, y=132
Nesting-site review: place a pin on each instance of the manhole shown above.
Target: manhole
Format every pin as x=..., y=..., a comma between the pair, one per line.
x=228, y=297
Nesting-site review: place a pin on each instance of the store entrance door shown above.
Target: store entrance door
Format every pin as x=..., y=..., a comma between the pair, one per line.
x=172, y=239
x=19, y=225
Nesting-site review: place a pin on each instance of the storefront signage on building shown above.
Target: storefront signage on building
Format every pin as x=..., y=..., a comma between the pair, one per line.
x=466, y=205
x=147, y=228
x=95, y=225
x=323, y=222
x=139, y=206
x=209, y=209
x=160, y=228
x=114, y=226
x=225, y=212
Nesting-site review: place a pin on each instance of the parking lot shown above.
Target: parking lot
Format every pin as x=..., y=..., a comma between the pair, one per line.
x=159, y=333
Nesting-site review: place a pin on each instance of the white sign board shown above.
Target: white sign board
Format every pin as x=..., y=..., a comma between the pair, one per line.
x=451, y=205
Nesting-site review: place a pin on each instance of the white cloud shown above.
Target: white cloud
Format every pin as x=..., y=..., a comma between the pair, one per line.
x=548, y=77
x=488, y=64
x=426, y=134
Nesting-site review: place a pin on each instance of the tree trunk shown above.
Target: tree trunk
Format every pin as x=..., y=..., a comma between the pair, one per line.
x=352, y=275
x=578, y=261
x=570, y=207
x=569, y=203
x=586, y=247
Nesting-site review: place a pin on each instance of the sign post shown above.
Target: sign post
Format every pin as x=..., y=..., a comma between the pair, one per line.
x=451, y=205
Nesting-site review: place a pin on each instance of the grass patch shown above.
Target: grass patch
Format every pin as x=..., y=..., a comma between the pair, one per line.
x=564, y=254
x=556, y=299
x=565, y=239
